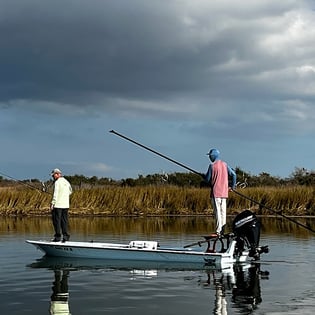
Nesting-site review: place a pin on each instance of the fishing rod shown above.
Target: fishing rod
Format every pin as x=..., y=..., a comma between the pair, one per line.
x=202, y=175
x=24, y=183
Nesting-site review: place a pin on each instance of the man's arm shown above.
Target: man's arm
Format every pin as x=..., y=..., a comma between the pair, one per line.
x=207, y=176
x=232, y=174
x=55, y=194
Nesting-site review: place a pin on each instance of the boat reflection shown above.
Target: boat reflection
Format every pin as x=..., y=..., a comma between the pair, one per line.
x=62, y=267
x=66, y=263
x=236, y=286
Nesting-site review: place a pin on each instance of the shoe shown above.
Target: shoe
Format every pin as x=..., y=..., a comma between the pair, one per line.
x=55, y=240
x=65, y=238
x=215, y=235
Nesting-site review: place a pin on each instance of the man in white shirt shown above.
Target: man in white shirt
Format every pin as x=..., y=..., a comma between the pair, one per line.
x=60, y=205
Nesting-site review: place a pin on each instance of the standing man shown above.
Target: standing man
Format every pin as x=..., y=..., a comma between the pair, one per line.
x=60, y=205
x=218, y=176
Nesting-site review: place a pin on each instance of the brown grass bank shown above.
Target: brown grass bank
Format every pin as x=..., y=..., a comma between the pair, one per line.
x=160, y=201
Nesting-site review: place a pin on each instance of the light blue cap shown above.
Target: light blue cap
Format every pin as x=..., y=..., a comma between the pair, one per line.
x=213, y=154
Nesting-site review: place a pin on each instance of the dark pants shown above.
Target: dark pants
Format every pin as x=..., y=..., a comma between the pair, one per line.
x=60, y=222
x=60, y=285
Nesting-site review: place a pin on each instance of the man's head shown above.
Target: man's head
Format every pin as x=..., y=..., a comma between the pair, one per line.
x=56, y=173
x=213, y=154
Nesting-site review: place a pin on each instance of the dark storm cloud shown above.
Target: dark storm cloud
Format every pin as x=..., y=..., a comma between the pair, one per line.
x=80, y=52
x=171, y=71
x=56, y=50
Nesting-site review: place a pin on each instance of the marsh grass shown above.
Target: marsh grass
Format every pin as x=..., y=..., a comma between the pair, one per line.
x=160, y=201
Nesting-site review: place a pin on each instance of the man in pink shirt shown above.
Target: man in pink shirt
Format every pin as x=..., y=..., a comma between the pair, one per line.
x=218, y=176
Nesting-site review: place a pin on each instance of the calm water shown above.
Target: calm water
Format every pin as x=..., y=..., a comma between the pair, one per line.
x=283, y=283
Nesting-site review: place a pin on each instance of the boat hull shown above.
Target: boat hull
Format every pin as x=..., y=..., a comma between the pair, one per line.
x=130, y=251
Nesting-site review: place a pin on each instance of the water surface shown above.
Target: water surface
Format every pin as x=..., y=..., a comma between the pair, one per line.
x=283, y=283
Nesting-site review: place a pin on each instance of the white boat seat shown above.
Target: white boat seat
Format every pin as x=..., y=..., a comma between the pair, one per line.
x=144, y=244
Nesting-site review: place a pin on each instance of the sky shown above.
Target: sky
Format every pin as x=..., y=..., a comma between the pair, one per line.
x=178, y=76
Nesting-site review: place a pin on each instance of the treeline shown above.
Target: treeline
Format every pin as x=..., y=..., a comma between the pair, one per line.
x=300, y=176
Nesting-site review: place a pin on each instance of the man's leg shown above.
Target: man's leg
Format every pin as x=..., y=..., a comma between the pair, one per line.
x=64, y=224
x=223, y=214
x=56, y=218
x=216, y=204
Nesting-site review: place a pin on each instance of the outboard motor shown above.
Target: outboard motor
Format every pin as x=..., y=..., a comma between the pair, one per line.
x=246, y=228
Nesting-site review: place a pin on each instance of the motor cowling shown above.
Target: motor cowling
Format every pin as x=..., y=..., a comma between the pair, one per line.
x=246, y=228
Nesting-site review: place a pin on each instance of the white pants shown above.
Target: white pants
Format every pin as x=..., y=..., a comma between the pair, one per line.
x=219, y=209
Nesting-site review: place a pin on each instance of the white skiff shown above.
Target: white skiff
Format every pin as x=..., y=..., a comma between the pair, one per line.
x=145, y=251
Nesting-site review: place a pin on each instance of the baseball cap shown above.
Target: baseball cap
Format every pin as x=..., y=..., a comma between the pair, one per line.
x=55, y=171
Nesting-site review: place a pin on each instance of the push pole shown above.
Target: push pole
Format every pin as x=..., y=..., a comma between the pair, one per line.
x=193, y=171
x=155, y=152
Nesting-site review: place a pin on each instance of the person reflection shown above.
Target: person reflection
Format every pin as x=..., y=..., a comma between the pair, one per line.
x=59, y=304
x=220, y=298
x=221, y=283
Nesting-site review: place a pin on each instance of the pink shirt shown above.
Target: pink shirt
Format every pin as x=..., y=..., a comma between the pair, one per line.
x=219, y=180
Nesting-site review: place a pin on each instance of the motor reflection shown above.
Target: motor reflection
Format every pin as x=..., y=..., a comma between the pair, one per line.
x=59, y=304
x=239, y=285
x=246, y=293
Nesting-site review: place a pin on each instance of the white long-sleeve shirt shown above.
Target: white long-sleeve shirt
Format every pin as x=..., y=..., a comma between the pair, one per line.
x=62, y=192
